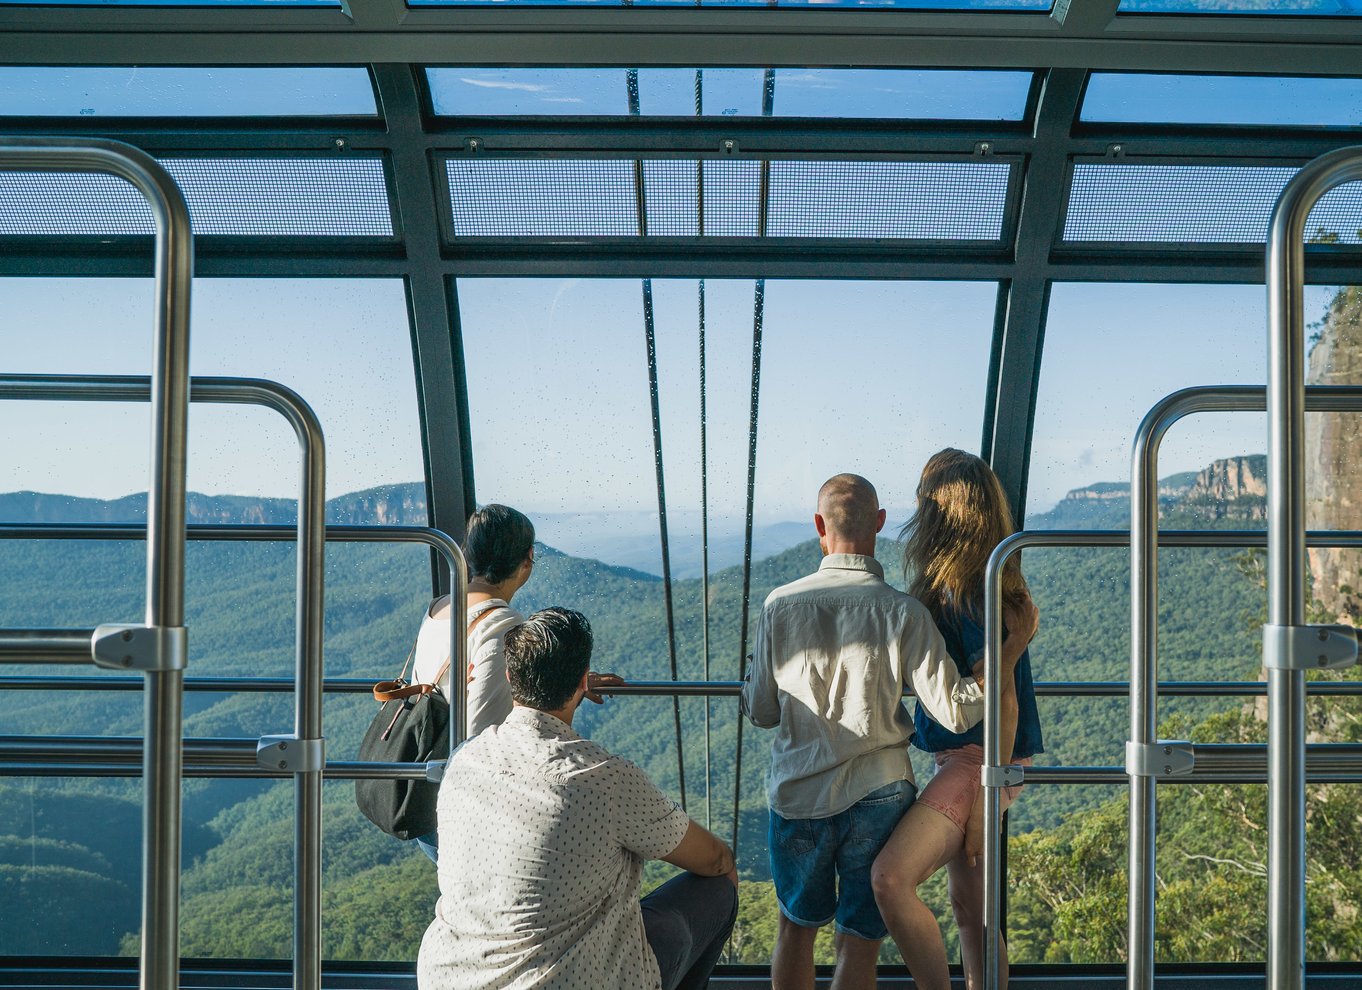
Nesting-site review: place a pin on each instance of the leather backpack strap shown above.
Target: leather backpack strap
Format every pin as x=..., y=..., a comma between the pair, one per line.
x=399, y=689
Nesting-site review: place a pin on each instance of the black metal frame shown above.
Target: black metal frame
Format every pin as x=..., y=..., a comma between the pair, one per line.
x=1078, y=37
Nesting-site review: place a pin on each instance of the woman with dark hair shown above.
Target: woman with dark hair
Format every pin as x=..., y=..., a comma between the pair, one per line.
x=499, y=549
x=962, y=515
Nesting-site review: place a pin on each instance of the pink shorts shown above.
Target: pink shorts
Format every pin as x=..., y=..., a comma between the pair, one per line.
x=953, y=788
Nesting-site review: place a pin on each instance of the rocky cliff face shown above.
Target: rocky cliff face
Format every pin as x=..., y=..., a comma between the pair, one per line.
x=1333, y=457
x=1232, y=488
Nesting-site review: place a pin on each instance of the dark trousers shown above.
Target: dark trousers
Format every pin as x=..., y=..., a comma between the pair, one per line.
x=687, y=921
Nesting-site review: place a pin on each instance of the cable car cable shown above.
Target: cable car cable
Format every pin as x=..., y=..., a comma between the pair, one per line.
x=768, y=100
x=631, y=82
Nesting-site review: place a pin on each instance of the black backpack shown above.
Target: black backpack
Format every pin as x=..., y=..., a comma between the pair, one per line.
x=412, y=726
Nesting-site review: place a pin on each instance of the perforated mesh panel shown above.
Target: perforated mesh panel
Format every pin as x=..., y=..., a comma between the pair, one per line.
x=583, y=198
x=1212, y=204
x=542, y=198
x=935, y=200
x=731, y=194
x=259, y=197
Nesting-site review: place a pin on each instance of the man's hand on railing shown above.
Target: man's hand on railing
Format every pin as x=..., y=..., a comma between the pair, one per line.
x=594, y=683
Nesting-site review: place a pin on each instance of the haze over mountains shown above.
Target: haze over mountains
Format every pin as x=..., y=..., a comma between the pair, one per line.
x=1231, y=487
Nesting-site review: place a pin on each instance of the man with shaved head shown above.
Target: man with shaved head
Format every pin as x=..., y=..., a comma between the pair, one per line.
x=834, y=652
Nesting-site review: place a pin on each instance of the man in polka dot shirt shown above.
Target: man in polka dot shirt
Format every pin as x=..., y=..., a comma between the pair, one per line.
x=543, y=836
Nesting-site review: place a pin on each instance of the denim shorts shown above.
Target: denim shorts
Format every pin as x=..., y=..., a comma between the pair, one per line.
x=821, y=866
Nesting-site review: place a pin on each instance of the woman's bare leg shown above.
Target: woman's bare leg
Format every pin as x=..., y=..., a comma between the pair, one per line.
x=923, y=842
x=967, y=903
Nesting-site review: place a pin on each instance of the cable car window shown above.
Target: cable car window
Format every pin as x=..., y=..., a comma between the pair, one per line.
x=1275, y=101
x=851, y=376
x=847, y=93
x=1261, y=8
x=1212, y=601
x=1037, y=6
x=174, y=91
x=345, y=346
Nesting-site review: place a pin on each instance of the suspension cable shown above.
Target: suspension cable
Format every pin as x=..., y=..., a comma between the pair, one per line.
x=768, y=99
x=704, y=453
x=649, y=333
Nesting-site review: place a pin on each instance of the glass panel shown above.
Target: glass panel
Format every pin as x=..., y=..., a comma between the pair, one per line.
x=864, y=93
x=1293, y=8
x=162, y=91
x=599, y=198
x=266, y=197
x=1297, y=101
x=171, y=3
x=577, y=410
x=345, y=346
x=1014, y=5
x=1213, y=475
x=1209, y=204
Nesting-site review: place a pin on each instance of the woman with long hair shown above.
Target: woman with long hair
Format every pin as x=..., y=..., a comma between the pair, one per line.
x=962, y=515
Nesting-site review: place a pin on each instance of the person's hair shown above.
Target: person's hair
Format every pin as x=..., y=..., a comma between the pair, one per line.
x=962, y=515
x=498, y=541
x=546, y=656
x=849, y=506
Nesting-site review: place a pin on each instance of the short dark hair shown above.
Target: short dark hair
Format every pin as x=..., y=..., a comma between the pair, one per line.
x=546, y=656
x=498, y=541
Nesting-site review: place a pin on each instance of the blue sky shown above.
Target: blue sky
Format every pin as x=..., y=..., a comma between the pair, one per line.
x=856, y=375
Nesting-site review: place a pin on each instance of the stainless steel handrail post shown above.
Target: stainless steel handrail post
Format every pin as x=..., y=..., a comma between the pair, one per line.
x=159, y=965
x=1286, y=557
x=1144, y=595
x=993, y=647
x=309, y=664
x=309, y=669
x=1144, y=674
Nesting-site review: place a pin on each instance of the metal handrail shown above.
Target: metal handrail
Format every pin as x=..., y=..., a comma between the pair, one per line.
x=159, y=961
x=311, y=535
x=1286, y=571
x=1144, y=594
x=992, y=764
x=120, y=756
x=310, y=625
x=696, y=689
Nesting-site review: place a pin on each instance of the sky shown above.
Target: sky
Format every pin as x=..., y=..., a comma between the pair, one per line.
x=856, y=375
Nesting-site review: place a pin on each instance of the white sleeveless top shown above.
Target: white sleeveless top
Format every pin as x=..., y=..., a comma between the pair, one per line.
x=489, y=694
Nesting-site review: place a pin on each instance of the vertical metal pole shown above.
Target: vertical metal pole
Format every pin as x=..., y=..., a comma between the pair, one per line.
x=163, y=720
x=307, y=719
x=1144, y=631
x=1286, y=558
x=174, y=268
x=993, y=647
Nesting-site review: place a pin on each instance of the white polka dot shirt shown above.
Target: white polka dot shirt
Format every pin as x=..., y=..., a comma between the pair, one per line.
x=543, y=836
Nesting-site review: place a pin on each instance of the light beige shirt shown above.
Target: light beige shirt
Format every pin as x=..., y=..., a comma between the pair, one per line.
x=489, y=693
x=834, y=652
x=543, y=836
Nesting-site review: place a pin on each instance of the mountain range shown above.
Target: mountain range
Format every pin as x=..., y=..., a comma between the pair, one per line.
x=54, y=869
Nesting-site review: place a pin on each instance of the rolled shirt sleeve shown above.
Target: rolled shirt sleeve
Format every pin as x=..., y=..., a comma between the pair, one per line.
x=647, y=822
x=955, y=701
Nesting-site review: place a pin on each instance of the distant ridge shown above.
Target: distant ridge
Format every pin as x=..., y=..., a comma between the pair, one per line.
x=1232, y=488
x=391, y=505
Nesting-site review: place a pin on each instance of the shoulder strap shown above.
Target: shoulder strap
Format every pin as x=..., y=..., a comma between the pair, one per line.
x=477, y=621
